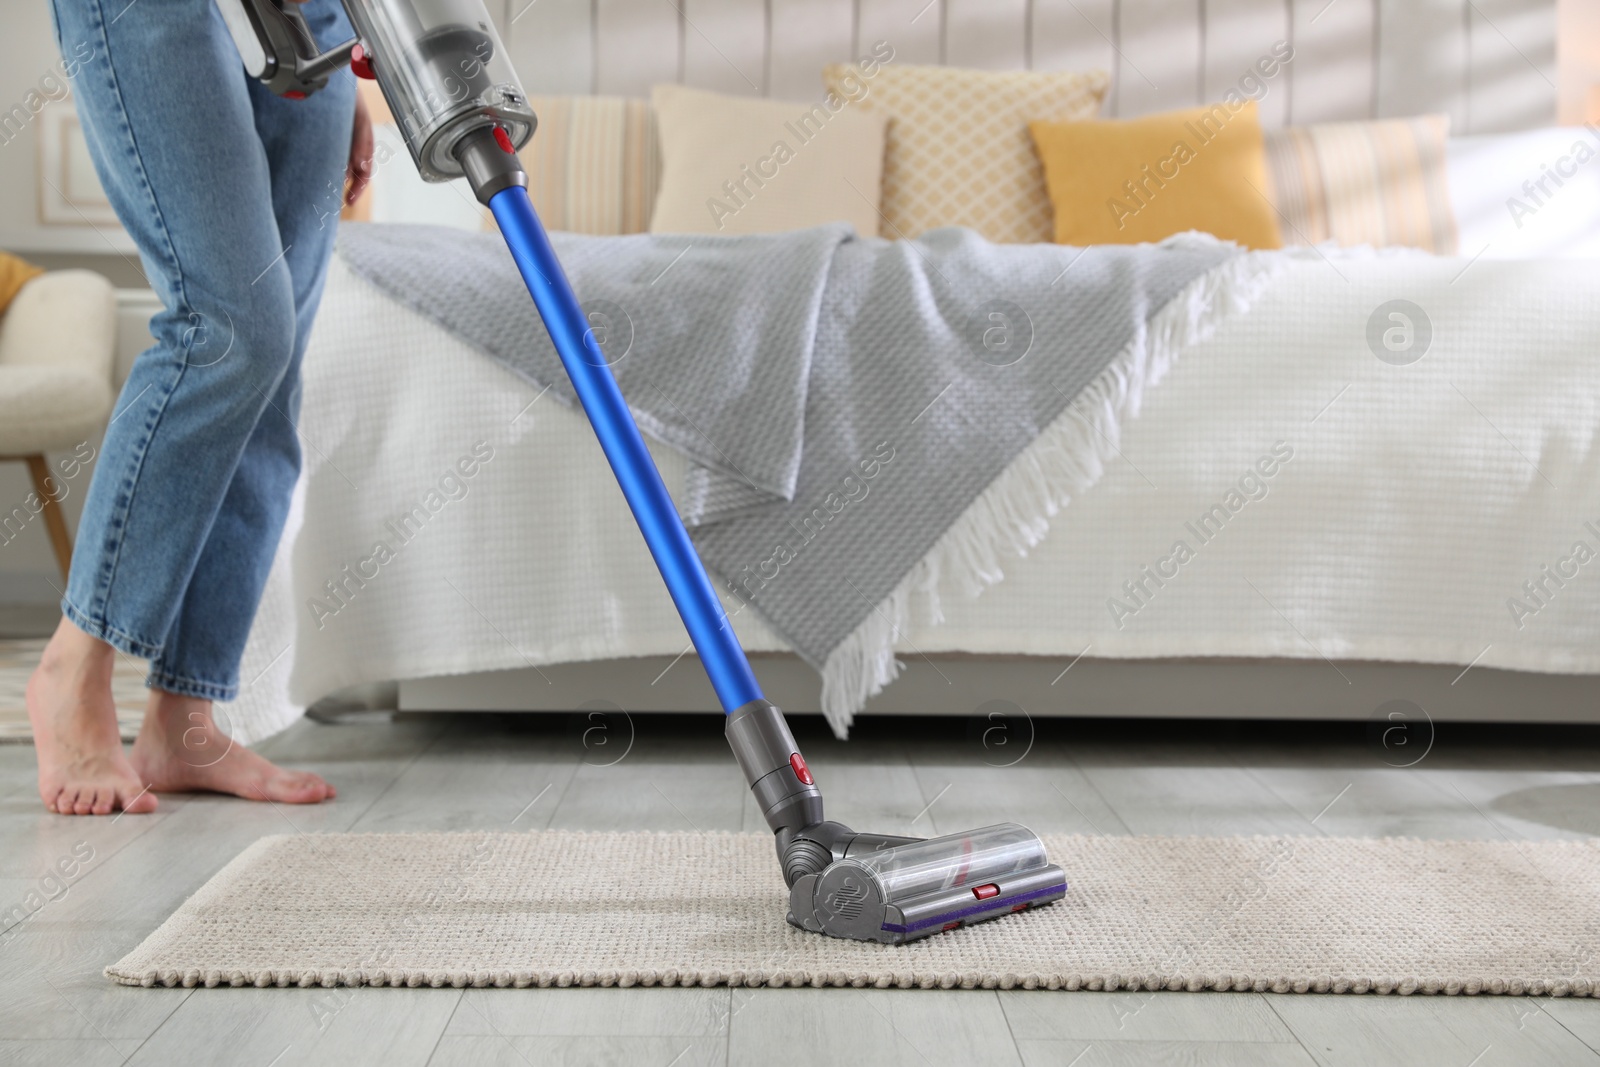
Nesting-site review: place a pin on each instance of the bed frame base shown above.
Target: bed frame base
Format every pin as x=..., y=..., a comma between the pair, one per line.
x=969, y=685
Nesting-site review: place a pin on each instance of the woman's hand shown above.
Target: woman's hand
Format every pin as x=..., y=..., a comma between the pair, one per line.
x=358, y=171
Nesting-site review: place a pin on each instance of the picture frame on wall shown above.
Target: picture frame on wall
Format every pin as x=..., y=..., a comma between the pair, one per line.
x=70, y=193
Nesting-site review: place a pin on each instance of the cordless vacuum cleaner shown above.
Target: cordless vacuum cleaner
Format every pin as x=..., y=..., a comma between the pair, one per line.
x=463, y=113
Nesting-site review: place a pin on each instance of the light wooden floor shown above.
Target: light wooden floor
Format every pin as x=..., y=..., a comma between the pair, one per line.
x=457, y=772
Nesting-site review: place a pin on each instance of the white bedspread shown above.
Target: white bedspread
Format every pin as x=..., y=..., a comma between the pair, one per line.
x=1408, y=508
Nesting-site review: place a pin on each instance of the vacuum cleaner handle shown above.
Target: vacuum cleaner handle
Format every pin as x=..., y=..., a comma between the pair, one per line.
x=277, y=46
x=873, y=887
x=773, y=766
x=499, y=181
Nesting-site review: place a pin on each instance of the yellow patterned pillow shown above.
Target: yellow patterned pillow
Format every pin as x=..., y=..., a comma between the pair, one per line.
x=958, y=151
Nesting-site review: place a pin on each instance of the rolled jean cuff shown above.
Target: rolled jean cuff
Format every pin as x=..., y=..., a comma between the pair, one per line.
x=104, y=631
x=190, y=687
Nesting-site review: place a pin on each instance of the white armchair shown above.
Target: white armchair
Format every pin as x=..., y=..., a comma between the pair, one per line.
x=57, y=341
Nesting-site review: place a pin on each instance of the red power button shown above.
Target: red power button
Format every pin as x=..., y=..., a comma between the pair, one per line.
x=798, y=762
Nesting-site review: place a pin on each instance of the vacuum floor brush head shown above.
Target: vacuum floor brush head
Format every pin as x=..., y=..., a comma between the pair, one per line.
x=874, y=887
x=899, y=894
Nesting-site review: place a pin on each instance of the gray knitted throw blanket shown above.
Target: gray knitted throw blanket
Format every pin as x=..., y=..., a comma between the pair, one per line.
x=869, y=421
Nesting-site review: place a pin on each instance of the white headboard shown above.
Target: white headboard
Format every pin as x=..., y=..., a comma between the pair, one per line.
x=1489, y=64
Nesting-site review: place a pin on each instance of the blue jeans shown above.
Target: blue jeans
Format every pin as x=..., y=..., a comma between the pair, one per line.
x=232, y=196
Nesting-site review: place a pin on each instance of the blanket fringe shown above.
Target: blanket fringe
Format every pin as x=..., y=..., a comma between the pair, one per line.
x=1013, y=514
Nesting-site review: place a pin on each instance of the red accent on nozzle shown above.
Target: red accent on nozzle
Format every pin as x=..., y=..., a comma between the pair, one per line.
x=798, y=762
x=503, y=139
x=361, y=63
x=984, y=892
x=950, y=926
x=294, y=94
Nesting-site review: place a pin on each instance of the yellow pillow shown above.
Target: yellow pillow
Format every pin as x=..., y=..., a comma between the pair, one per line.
x=1127, y=182
x=14, y=274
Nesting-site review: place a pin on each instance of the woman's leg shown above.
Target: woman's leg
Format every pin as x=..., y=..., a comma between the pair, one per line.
x=170, y=122
x=181, y=746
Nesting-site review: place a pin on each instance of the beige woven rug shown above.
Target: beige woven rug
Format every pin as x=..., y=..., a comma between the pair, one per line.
x=558, y=908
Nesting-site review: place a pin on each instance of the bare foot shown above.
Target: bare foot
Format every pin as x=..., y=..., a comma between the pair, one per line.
x=82, y=770
x=182, y=750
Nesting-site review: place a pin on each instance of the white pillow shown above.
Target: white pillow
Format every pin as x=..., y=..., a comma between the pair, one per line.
x=1502, y=210
x=733, y=164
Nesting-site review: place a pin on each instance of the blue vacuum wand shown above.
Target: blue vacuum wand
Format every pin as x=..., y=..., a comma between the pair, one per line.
x=463, y=113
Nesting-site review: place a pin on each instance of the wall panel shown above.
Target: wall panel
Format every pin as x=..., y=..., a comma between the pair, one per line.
x=638, y=43
x=1422, y=58
x=1158, y=67
x=986, y=34
x=1491, y=65
x=1511, y=65
x=807, y=35
x=551, y=43
x=1238, y=33
x=1074, y=35
x=1335, y=63
x=724, y=45
x=912, y=27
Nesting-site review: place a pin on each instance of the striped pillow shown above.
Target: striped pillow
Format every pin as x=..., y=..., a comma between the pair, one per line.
x=594, y=164
x=1364, y=183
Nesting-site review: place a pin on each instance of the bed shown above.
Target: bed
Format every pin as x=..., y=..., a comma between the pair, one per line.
x=1415, y=503
x=1424, y=537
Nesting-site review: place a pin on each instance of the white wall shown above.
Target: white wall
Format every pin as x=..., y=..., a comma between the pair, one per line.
x=27, y=54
